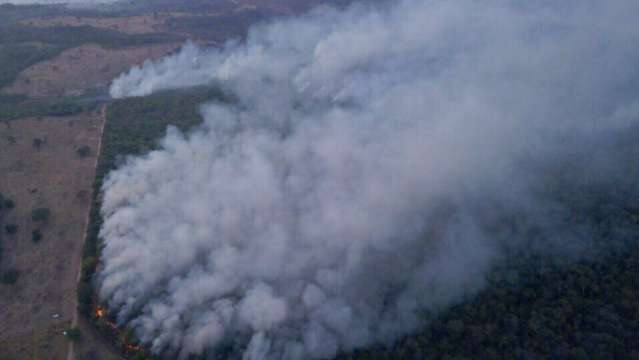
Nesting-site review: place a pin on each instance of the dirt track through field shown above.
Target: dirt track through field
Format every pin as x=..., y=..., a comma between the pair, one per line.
x=75, y=322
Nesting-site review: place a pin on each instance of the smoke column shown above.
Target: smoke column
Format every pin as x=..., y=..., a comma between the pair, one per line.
x=349, y=187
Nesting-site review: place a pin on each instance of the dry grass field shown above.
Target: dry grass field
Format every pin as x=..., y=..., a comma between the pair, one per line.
x=81, y=68
x=52, y=175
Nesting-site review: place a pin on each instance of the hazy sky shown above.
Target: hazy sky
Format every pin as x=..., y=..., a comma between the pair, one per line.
x=70, y=2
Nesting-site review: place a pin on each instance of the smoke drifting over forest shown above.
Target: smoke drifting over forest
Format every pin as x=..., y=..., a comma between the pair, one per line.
x=361, y=176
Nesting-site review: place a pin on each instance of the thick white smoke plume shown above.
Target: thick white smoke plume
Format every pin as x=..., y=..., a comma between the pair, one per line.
x=347, y=189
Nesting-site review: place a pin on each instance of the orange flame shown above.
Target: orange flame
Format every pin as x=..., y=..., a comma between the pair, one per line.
x=100, y=312
x=130, y=347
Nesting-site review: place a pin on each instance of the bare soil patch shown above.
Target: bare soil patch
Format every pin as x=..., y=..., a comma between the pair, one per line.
x=81, y=68
x=52, y=175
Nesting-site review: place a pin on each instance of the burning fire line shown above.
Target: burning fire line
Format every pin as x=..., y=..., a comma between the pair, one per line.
x=100, y=312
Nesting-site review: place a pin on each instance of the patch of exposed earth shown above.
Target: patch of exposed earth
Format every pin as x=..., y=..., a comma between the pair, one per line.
x=81, y=68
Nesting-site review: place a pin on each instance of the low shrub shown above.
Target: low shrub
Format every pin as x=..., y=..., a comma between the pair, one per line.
x=11, y=229
x=10, y=277
x=36, y=236
x=40, y=214
x=84, y=151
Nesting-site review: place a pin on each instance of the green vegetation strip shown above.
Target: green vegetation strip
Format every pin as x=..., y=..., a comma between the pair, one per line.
x=72, y=36
x=23, y=46
x=10, y=13
x=16, y=107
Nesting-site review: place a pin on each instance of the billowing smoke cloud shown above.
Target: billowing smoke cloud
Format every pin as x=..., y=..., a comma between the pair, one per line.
x=351, y=186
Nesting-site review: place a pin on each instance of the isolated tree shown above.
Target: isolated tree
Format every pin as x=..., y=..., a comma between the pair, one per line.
x=11, y=229
x=10, y=277
x=40, y=214
x=9, y=204
x=5, y=203
x=84, y=151
x=36, y=236
x=37, y=143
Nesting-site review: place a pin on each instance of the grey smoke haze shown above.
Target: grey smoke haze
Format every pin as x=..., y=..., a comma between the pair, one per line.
x=347, y=190
x=75, y=3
